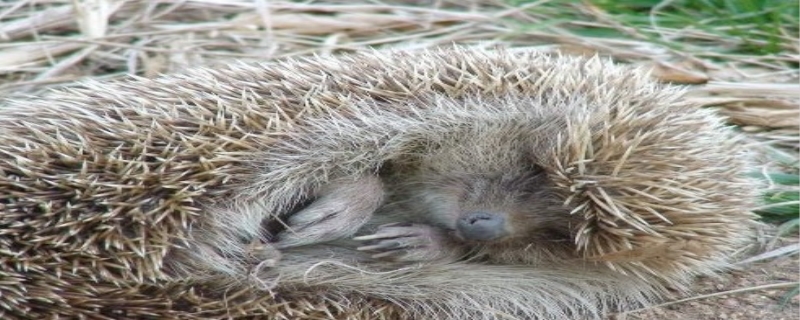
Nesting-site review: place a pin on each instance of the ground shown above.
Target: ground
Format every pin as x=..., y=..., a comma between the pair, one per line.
x=754, y=304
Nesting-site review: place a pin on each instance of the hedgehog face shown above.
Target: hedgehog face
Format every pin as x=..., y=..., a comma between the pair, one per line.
x=501, y=208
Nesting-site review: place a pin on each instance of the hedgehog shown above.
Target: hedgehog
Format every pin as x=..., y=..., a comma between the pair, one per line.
x=451, y=183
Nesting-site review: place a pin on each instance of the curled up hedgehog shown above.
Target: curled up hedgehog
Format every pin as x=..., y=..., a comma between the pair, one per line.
x=447, y=184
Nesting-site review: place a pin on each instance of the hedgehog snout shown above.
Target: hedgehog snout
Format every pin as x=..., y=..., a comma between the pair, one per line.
x=481, y=226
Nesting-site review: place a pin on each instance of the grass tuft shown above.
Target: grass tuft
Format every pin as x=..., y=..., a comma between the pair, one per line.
x=782, y=205
x=749, y=26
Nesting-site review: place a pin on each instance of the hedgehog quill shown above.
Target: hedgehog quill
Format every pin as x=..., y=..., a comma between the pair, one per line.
x=450, y=184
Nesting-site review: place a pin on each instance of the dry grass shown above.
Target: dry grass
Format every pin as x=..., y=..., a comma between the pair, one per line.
x=49, y=43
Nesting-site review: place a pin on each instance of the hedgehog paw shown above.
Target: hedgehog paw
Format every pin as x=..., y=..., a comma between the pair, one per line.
x=410, y=242
x=340, y=210
x=263, y=253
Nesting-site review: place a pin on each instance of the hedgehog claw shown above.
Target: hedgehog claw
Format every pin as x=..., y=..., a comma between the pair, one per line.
x=407, y=242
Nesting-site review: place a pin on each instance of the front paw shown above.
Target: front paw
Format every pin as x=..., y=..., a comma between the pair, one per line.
x=411, y=243
x=341, y=209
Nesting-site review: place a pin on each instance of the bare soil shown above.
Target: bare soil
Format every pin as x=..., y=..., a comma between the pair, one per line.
x=752, y=304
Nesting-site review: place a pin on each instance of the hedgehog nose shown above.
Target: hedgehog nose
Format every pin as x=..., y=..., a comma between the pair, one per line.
x=481, y=226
